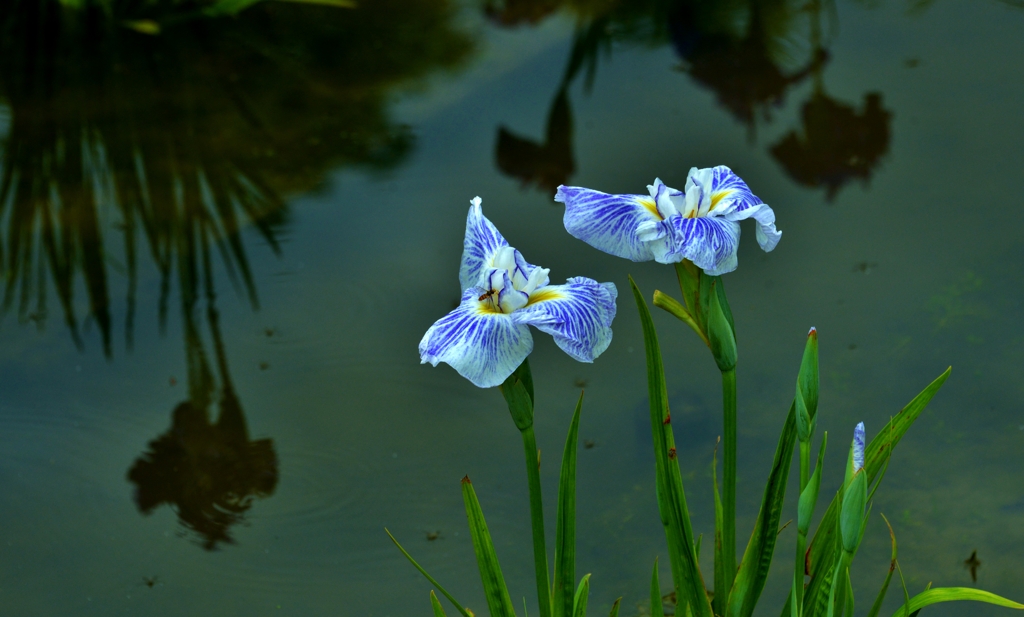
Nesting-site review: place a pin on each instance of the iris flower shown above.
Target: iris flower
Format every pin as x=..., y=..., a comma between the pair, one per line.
x=486, y=337
x=700, y=223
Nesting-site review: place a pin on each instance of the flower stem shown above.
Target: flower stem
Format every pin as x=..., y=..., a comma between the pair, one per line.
x=540, y=555
x=729, y=475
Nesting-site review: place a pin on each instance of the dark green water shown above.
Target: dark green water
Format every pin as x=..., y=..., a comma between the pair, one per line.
x=221, y=244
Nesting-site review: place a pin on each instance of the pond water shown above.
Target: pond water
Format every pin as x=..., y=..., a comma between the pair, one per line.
x=222, y=238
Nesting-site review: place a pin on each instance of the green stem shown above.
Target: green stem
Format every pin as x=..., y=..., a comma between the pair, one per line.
x=540, y=554
x=801, y=536
x=729, y=479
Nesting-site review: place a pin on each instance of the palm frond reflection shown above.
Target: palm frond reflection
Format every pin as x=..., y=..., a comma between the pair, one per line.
x=187, y=138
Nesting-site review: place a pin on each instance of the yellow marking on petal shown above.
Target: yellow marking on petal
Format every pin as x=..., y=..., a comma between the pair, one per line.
x=719, y=196
x=486, y=307
x=651, y=206
x=544, y=295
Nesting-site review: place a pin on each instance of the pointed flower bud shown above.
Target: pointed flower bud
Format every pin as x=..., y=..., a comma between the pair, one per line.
x=858, y=447
x=720, y=332
x=807, y=388
x=855, y=496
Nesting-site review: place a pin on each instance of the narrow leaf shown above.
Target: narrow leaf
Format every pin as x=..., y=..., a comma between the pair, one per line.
x=656, y=608
x=462, y=610
x=434, y=604
x=953, y=594
x=877, y=606
x=615, y=607
x=565, y=525
x=757, y=558
x=686, y=576
x=580, y=601
x=498, y=600
x=722, y=579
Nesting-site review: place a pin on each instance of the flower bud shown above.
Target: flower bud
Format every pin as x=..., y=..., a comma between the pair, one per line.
x=720, y=330
x=851, y=518
x=807, y=388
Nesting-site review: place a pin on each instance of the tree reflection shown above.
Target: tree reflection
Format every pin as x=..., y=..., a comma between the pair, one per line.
x=189, y=136
x=838, y=143
x=739, y=49
x=741, y=65
x=208, y=472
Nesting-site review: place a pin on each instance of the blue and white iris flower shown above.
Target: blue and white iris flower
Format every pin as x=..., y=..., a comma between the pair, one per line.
x=700, y=223
x=486, y=337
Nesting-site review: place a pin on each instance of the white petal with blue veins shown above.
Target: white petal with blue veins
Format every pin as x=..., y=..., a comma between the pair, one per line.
x=609, y=222
x=709, y=242
x=482, y=243
x=578, y=315
x=484, y=346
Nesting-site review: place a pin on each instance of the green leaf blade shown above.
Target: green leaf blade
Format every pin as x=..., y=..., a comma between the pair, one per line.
x=757, y=558
x=565, y=529
x=436, y=605
x=580, y=601
x=954, y=594
x=498, y=600
x=686, y=574
x=458, y=605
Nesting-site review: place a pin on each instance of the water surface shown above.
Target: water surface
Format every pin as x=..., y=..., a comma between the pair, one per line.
x=221, y=244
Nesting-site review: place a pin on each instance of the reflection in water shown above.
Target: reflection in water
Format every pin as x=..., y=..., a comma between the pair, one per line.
x=743, y=68
x=838, y=143
x=113, y=141
x=183, y=139
x=208, y=472
x=738, y=49
x=549, y=164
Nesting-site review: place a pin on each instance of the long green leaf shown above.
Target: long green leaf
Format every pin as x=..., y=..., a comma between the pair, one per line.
x=565, y=525
x=757, y=558
x=877, y=606
x=824, y=544
x=434, y=604
x=579, y=603
x=615, y=608
x=458, y=605
x=953, y=594
x=686, y=574
x=722, y=580
x=657, y=610
x=498, y=600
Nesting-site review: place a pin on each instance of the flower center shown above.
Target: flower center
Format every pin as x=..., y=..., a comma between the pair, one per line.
x=510, y=282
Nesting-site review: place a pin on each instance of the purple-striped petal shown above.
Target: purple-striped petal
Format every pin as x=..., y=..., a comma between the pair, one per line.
x=709, y=242
x=609, y=223
x=483, y=240
x=578, y=315
x=724, y=190
x=483, y=345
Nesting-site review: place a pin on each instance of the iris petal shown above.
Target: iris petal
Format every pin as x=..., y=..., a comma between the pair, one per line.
x=767, y=236
x=727, y=191
x=709, y=242
x=578, y=315
x=483, y=240
x=608, y=222
x=484, y=346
